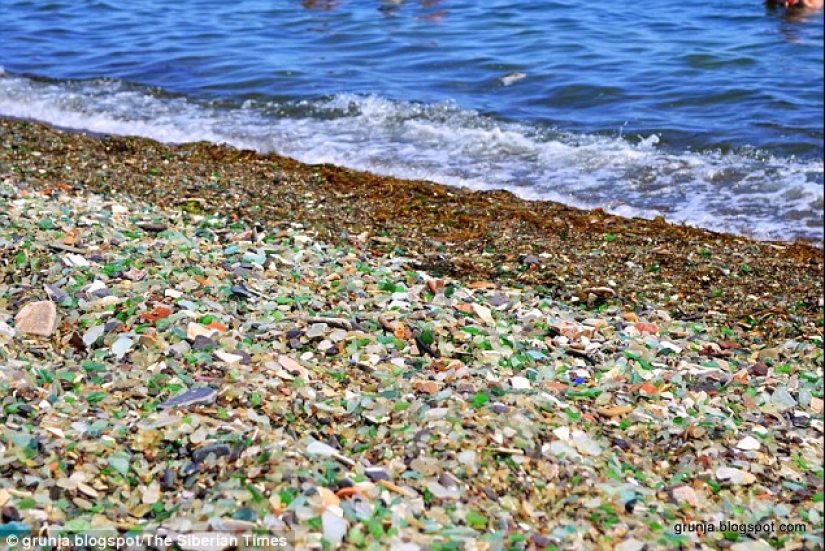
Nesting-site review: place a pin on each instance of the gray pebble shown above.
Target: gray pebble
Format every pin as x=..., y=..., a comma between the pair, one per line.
x=376, y=473
x=202, y=395
x=218, y=449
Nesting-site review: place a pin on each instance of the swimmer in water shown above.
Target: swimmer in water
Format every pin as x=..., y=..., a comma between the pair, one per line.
x=802, y=4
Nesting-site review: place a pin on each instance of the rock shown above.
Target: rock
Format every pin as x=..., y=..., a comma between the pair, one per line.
x=133, y=274
x=169, y=478
x=149, y=227
x=241, y=291
x=98, y=289
x=6, y=330
x=630, y=545
x=376, y=473
x=218, y=449
x=649, y=328
x=202, y=342
x=75, y=261
x=749, y=443
x=112, y=325
x=122, y=345
x=151, y=494
x=194, y=330
x=441, y=492
x=483, y=313
x=316, y=330
x=202, y=395
x=685, y=494
x=334, y=528
x=572, y=331
x=499, y=301
x=189, y=469
x=520, y=383
x=92, y=334
x=449, y=481
x=735, y=476
x=227, y=357
x=319, y=448
x=55, y=293
x=759, y=370
x=37, y=318
x=751, y=545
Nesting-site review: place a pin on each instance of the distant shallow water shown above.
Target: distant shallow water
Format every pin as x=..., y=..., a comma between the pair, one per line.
x=709, y=115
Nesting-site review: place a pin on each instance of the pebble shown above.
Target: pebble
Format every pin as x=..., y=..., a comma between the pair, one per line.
x=37, y=318
x=449, y=481
x=685, y=494
x=241, y=291
x=334, y=527
x=122, y=345
x=194, y=330
x=202, y=342
x=316, y=330
x=571, y=330
x=5, y=330
x=735, y=476
x=520, y=383
x=630, y=544
x=151, y=227
x=218, y=449
x=376, y=473
x=55, y=293
x=749, y=443
x=202, y=395
x=92, y=334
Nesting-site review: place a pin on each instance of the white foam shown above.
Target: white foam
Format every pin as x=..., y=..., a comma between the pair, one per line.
x=753, y=194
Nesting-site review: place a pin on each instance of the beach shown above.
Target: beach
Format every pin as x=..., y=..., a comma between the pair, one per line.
x=196, y=338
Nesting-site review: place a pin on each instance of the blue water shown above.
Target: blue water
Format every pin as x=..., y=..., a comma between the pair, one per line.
x=706, y=113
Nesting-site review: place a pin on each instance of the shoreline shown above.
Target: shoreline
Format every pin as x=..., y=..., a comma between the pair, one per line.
x=489, y=235
x=166, y=369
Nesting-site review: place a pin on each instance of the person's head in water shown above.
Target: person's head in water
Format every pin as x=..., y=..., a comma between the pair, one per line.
x=803, y=4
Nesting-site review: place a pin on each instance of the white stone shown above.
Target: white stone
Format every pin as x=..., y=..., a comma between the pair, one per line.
x=484, y=313
x=735, y=476
x=520, y=383
x=749, y=443
x=194, y=330
x=75, y=260
x=334, y=527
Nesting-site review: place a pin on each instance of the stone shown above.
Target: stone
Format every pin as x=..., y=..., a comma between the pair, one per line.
x=685, y=494
x=193, y=330
x=572, y=331
x=202, y=395
x=37, y=318
x=149, y=227
x=334, y=528
x=218, y=449
x=735, y=476
x=520, y=383
x=55, y=293
x=749, y=443
x=376, y=473
x=202, y=342
x=6, y=330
